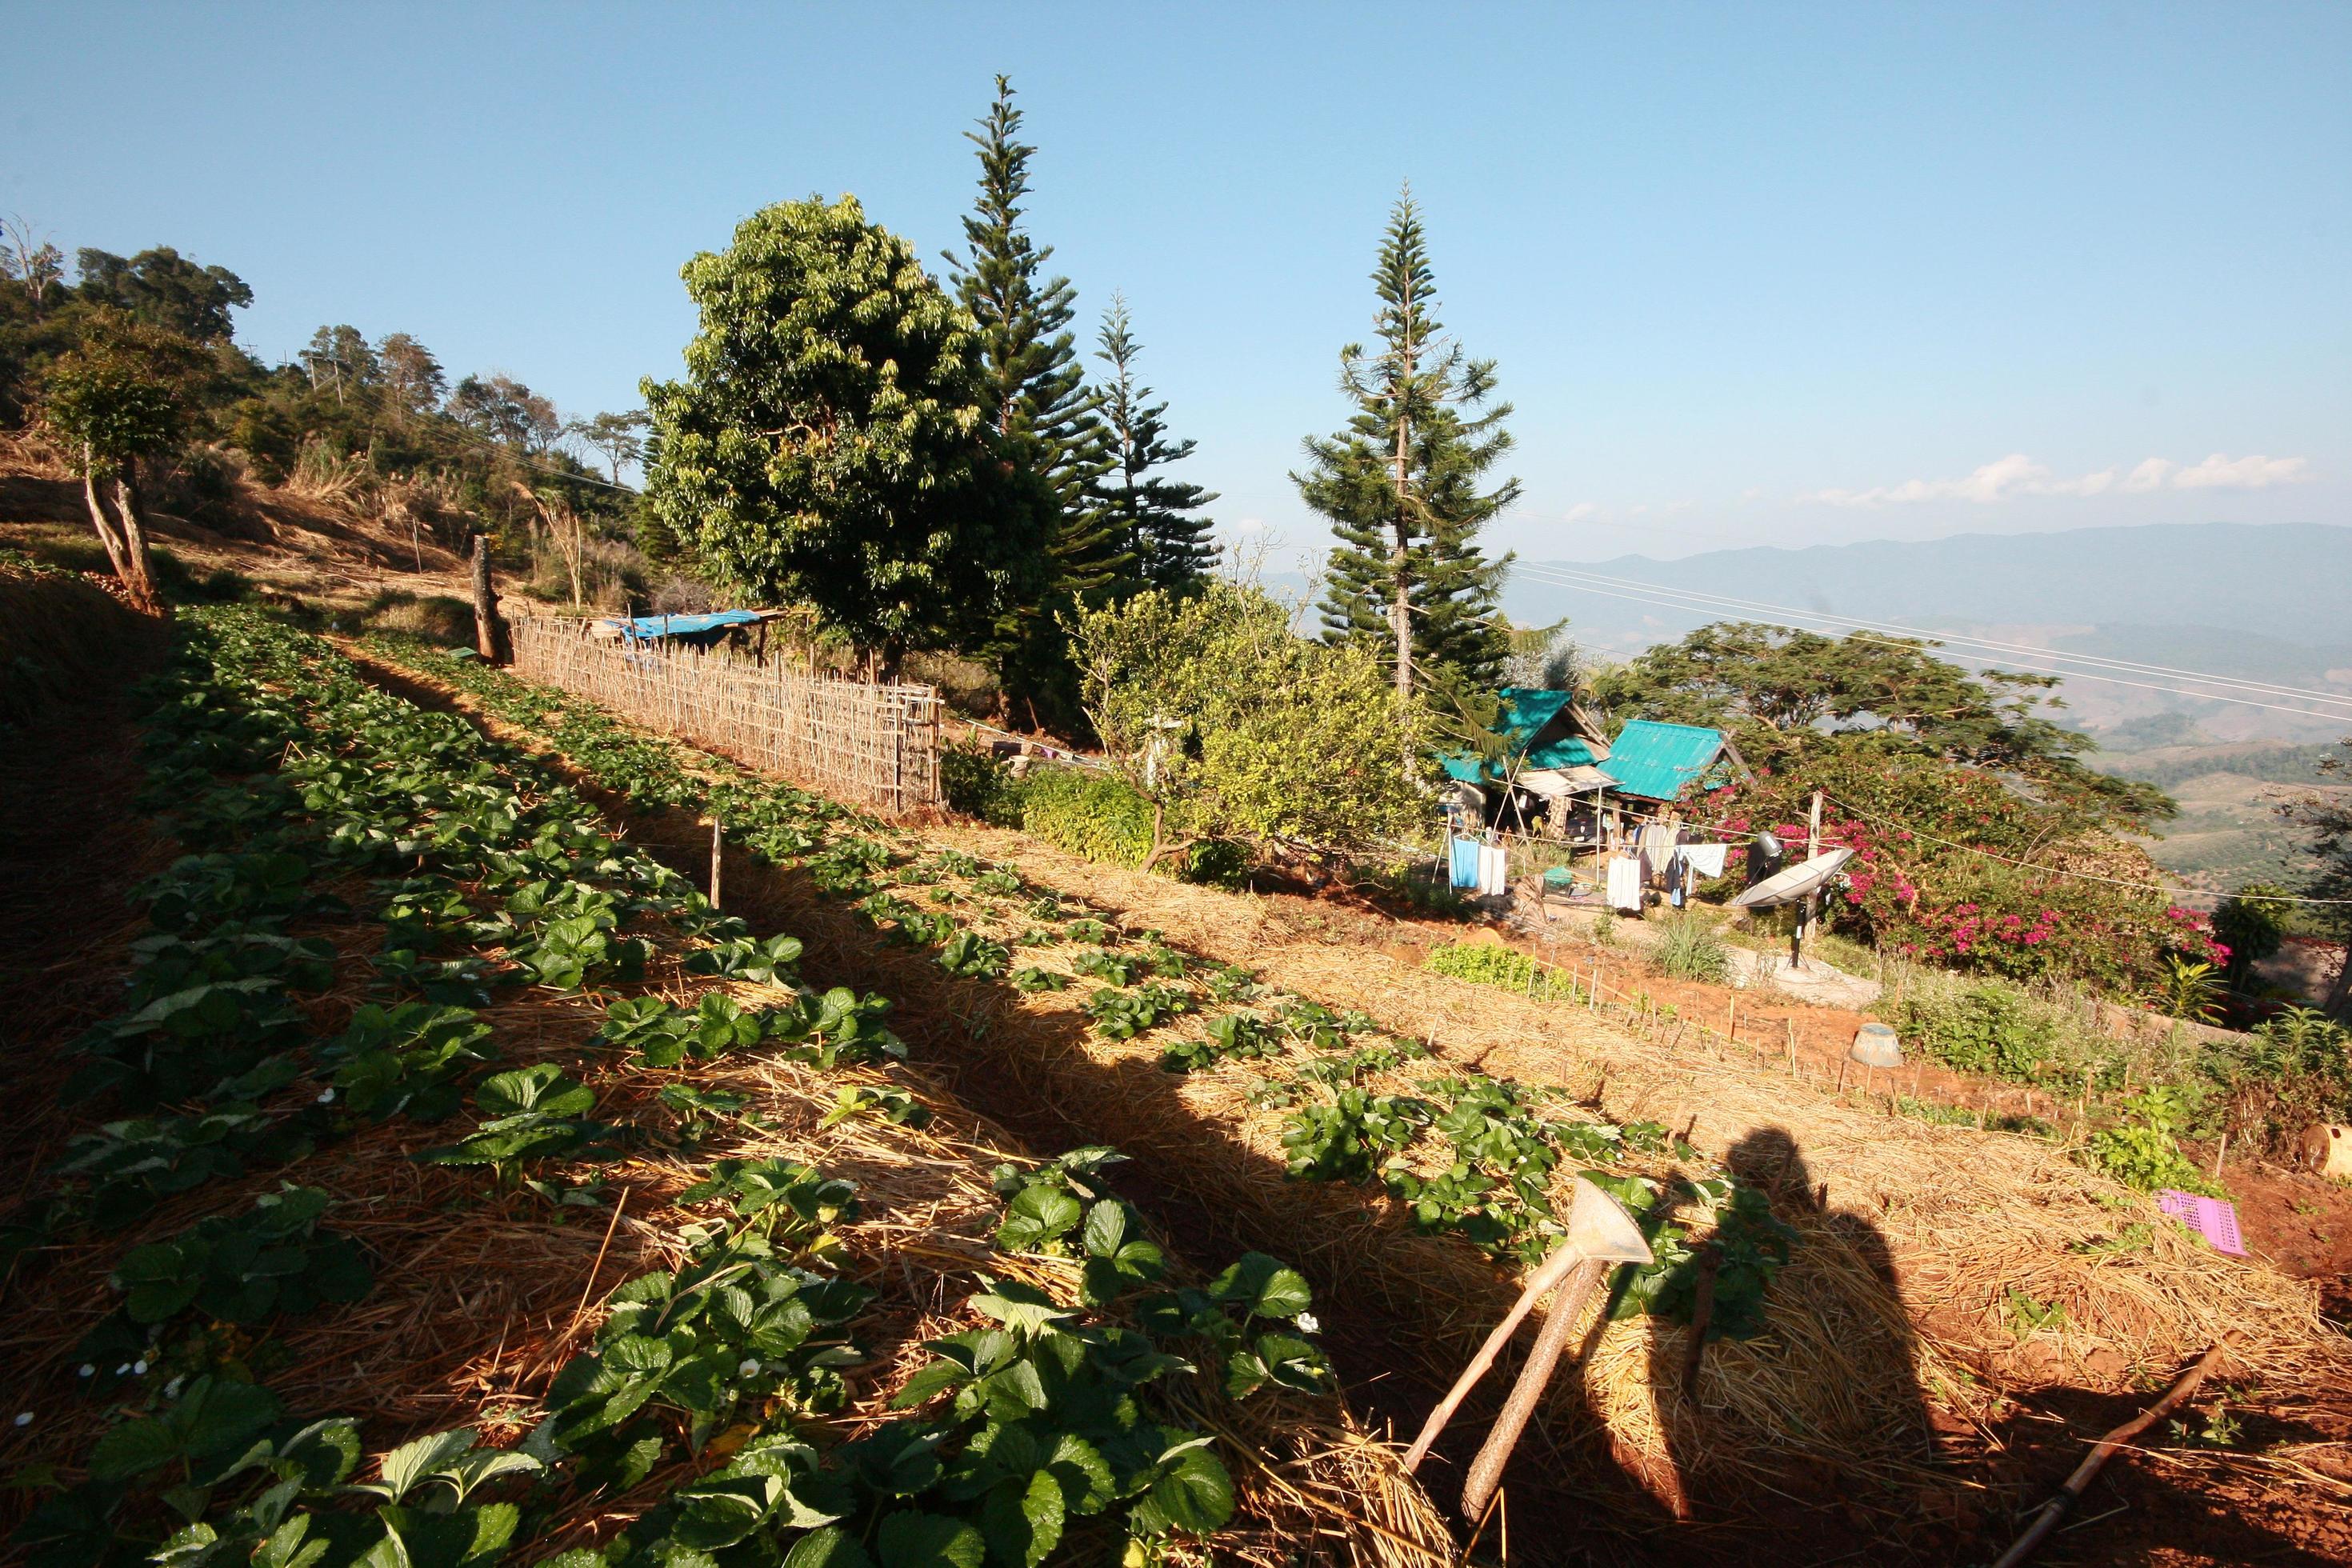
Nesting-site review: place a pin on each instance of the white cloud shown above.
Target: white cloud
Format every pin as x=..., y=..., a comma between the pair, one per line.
x=1250, y=525
x=2006, y=479
x=1582, y=511
x=2252, y=472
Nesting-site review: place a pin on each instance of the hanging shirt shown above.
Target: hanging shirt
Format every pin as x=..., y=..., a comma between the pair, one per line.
x=1494, y=870
x=1464, y=863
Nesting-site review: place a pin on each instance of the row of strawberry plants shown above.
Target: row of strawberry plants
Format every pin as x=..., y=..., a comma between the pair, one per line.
x=532, y=1114
x=1467, y=1156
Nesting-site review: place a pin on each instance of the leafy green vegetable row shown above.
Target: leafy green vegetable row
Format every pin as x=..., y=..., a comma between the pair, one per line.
x=734, y=1328
x=1499, y=1155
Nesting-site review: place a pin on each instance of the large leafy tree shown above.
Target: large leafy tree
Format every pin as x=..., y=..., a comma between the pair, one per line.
x=165, y=289
x=1783, y=694
x=1158, y=520
x=831, y=443
x=1037, y=402
x=115, y=400
x=1405, y=485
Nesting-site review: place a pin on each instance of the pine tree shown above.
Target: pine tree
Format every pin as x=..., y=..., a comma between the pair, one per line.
x=1039, y=400
x=1401, y=485
x=1155, y=517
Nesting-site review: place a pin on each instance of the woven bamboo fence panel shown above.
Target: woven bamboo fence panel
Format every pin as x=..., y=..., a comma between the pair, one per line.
x=876, y=745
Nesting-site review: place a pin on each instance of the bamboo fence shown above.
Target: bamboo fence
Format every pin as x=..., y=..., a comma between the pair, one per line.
x=877, y=745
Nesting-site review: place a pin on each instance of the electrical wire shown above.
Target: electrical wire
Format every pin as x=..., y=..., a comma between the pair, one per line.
x=2135, y=667
x=1687, y=606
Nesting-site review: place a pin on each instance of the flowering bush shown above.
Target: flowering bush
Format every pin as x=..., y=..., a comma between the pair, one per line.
x=1935, y=872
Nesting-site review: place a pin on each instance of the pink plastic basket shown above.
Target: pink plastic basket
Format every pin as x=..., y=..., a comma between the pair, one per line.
x=2215, y=1219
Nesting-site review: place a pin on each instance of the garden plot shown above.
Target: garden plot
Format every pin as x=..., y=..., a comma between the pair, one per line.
x=462, y=1134
x=1948, y=1268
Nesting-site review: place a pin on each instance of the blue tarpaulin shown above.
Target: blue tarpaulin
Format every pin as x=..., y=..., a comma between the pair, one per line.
x=702, y=629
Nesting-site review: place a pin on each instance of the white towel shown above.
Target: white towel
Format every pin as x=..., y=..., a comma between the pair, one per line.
x=1625, y=883
x=1494, y=870
x=1706, y=860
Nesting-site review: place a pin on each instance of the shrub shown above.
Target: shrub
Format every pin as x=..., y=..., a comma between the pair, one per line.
x=2293, y=1070
x=1692, y=948
x=1988, y=1027
x=1485, y=963
x=2140, y=1152
x=1088, y=814
x=979, y=782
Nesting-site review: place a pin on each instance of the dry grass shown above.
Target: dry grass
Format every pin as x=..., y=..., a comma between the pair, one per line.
x=1910, y=1269
x=1891, y=1328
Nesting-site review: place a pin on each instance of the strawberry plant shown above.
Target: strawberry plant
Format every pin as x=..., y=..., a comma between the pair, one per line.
x=531, y=1114
x=1123, y=1014
x=1343, y=1139
x=409, y=1058
x=1029, y=977
x=1229, y=1035
x=246, y=1269
x=1111, y=968
x=973, y=956
x=764, y=962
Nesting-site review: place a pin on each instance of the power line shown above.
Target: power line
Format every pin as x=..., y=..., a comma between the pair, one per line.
x=2137, y=667
x=1689, y=606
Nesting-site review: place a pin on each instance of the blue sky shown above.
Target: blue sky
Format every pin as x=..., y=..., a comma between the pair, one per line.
x=1754, y=275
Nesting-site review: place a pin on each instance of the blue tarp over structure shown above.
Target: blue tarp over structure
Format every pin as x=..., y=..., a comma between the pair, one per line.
x=1530, y=737
x=1655, y=759
x=702, y=629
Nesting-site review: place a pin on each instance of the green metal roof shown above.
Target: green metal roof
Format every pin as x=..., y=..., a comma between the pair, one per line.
x=1654, y=760
x=1527, y=711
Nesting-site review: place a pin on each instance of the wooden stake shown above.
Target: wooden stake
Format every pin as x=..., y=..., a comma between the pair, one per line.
x=2057, y=1507
x=1791, y=1024
x=717, y=844
x=1701, y=1311
x=2217, y=1155
x=486, y=603
x=1731, y=1019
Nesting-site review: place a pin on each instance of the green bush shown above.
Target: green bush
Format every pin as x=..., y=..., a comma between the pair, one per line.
x=979, y=782
x=1485, y=963
x=1988, y=1027
x=1095, y=815
x=2140, y=1151
x=1692, y=948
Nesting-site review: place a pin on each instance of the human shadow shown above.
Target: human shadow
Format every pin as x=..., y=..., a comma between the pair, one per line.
x=1869, y=1334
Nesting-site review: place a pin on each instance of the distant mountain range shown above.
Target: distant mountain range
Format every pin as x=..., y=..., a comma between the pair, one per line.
x=2267, y=603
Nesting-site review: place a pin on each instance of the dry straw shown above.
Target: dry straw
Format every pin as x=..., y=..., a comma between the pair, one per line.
x=1898, y=1315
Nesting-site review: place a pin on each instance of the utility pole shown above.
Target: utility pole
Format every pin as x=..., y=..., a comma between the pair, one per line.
x=1812, y=899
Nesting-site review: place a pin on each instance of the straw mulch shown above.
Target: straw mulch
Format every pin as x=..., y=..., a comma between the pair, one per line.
x=481, y=1296
x=1896, y=1314
x=1894, y=1346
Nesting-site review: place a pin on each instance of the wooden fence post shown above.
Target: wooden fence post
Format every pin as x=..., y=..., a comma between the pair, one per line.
x=486, y=603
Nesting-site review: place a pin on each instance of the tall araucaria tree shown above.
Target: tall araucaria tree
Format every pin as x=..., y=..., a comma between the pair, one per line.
x=1402, y=485
x=1038, y=402
x=1158, y=519
x=831, y=443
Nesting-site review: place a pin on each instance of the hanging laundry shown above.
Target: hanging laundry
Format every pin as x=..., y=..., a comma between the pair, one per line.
x=1494, y=870
x=1625, y=883
x=1463, y=862
x=1706, y=860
